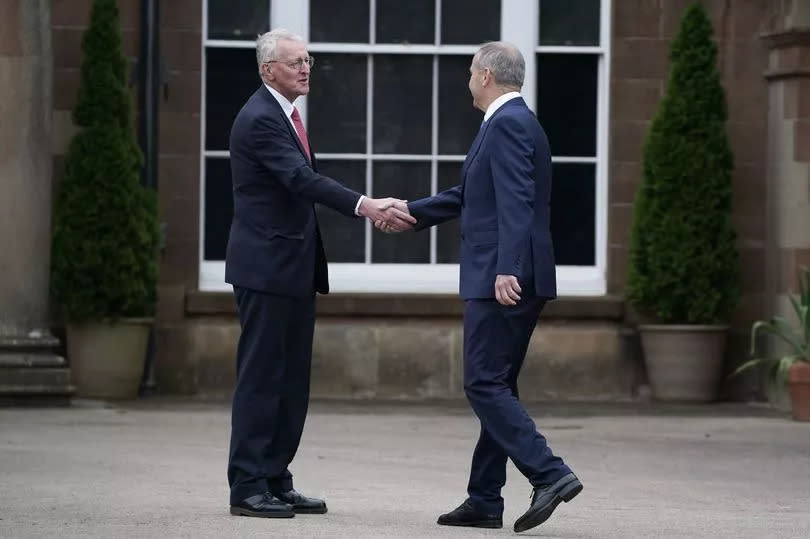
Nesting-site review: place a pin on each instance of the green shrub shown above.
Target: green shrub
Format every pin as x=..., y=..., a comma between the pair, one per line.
x=105, y=238
x=683, y=265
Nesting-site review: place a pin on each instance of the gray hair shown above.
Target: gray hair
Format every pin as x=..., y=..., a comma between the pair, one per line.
x=504, y=61
x=267, y=43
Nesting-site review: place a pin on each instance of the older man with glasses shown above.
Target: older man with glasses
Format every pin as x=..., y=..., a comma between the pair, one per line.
x=276, y=263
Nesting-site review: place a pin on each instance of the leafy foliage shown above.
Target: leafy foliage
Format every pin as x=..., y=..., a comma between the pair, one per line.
x=683, y=258
x=105, y=239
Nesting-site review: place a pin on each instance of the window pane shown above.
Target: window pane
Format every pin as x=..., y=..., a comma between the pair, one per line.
x=238, y=19
x=218, y=207
x=338, y=78
x=344, y=239
x=470, y=21
x=410, y=181
x=231, y=77
x=566, y=102
x=569, y=22
x=406, y=22
x=402, y=103
x=459, y=121
x=349, y=26
x=573, y=214
x=448, y=235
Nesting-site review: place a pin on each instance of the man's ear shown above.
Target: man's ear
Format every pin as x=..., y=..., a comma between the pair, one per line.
x=267, y=70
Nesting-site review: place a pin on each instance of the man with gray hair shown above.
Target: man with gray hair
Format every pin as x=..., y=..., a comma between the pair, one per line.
x=276, y=263
x=506, y=276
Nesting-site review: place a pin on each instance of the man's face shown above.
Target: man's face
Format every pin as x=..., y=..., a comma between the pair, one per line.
x=290, y=81
x=476, y=84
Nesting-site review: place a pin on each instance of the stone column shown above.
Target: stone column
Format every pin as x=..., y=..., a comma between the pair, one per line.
x=28, y=365
x=788, y=77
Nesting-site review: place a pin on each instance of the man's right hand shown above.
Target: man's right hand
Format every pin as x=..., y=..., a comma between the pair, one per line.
x=391, y=211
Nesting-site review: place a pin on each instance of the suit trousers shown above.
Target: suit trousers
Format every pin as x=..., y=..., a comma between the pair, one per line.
x=270, y=400
x=496, y=338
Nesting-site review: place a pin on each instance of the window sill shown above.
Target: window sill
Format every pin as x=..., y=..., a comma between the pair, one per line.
x=202, y=303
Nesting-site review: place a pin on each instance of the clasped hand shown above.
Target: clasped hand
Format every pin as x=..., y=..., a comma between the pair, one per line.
x=387, y=214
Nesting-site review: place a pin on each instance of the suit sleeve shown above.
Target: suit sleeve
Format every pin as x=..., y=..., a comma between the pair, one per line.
x=279, y=155
x=439, y=208
x=512, y=166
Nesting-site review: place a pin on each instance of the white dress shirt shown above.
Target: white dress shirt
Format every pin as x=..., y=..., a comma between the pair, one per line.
x=287, y=107
x=498, y=103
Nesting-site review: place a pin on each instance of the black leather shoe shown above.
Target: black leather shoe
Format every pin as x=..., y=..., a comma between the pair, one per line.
x=301, y=504
x=263, y=505
x=545, y=499
x=466, y=515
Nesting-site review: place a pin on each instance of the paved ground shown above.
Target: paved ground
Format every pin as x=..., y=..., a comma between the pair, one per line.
x=157, y=469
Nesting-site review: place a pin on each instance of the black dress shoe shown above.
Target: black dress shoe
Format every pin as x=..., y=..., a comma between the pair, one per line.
x=466, y=515
x=302, y=504
x=545, y=499
x=263, y=505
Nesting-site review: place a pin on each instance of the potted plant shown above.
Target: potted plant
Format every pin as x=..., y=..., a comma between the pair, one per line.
x=105, y=240
x=683, y=274
x=792, y=365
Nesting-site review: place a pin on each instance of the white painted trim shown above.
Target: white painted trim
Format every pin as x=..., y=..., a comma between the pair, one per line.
x=392, y=48
x=404, y=157
x=519, y=26
x=201, y=205
x=602, y=141
x=560, y=49
x=412, y=279
x=369, y=146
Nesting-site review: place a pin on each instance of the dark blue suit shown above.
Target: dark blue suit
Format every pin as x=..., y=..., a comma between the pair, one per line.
x=275, y=262
x=503, y=202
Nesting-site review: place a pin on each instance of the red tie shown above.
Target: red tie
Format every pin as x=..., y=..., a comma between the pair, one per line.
x=302, y=133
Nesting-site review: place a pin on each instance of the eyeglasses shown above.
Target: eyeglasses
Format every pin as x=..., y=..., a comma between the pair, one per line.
x=297, y=64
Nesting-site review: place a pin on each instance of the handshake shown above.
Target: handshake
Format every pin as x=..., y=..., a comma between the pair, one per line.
x=387, y=214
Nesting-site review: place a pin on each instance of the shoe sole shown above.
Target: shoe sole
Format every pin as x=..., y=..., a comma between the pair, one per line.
x=239, y=512
x=474, y=524
x=535, y=519
x=310, y=510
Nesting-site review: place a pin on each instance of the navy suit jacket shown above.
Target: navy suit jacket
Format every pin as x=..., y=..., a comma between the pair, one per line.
x=503, y=201
x=275, y=244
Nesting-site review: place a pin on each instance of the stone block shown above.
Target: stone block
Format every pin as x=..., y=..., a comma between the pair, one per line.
x=636, y=18
x=345, y=359
x=635, y=99
x=213, y=349
x=627, y=138
x=625, y=178
x=577, y=361
x=620, y=218
x=415, y=358
x=640, y=59
x=175, y=364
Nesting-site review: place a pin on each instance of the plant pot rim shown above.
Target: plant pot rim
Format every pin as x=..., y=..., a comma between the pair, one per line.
x=683, y=327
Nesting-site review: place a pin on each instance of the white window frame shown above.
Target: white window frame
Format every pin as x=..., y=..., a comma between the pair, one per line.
x=519, y=24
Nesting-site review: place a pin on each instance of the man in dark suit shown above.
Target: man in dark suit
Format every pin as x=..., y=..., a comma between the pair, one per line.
x=507, y=275
x=276, y=263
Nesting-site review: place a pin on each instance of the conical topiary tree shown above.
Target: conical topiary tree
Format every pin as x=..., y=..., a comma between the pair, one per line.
x=105, y=239
x=683, y=264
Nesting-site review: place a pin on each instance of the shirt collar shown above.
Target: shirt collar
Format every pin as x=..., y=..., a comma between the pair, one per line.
x=495, y=105
x=286, y=106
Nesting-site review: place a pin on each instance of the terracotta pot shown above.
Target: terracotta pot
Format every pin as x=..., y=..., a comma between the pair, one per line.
x=106, y=360
x=684, y=362
x=799, y=385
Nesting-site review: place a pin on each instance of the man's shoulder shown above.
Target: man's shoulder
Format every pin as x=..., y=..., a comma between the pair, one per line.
x=517, y=117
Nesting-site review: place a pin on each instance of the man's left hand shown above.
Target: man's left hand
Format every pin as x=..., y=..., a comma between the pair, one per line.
x=507, y=289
